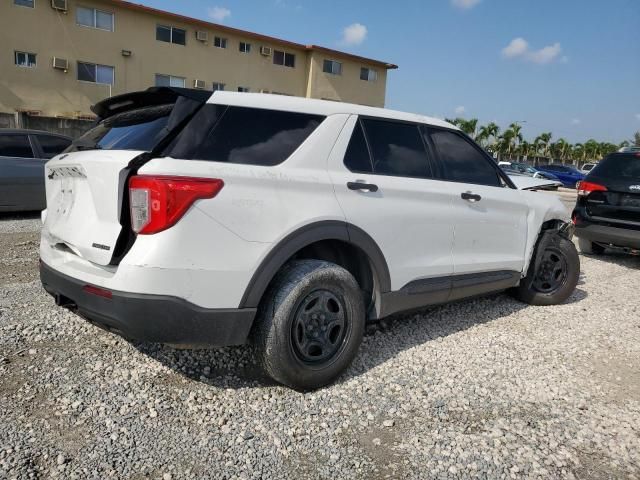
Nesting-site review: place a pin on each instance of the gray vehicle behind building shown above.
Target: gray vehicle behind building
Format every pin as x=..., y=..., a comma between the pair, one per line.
x=23, y=154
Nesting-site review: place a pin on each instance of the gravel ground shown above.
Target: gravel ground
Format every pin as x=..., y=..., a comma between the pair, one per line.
x=488, y=388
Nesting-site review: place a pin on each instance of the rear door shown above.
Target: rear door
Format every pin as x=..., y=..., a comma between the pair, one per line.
x=21, y=175
x=620, y=203
x=383, y=178
x=489, y=218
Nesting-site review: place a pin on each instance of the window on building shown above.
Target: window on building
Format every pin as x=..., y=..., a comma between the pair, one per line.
x=15, y=146
x=24, y=3
x=245, y=47
x=169, y=81
x=25, y=59
x=368, y=74
x=91, y=17
x=243, y=89
x=333, y=67
x=249, y=136
x=397, y=149
x=52, y=145
x=171, y=34
x=91, y=72
x=220, y=42
x=218, y=86
x=284, y=58
x=464, y=162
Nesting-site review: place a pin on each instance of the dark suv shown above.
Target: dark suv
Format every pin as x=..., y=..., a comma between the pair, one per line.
x=607, y=212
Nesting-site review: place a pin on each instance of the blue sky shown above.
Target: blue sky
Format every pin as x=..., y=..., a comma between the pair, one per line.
x=571, y=67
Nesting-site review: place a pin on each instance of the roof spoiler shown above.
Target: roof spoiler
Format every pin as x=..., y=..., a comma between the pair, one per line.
x=146, y=98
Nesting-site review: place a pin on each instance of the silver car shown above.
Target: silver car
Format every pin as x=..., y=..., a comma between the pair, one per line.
x=23, y=154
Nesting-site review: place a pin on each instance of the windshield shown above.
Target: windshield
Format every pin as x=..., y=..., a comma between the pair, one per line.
x=619, y=167
x=139, y=129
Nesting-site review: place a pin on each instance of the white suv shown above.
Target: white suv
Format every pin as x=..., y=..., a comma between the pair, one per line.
x=203, y=219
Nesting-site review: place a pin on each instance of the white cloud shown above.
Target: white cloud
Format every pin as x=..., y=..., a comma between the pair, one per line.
x=460, y=110
x=219, y=13
x=465, y=4
x=576, y=121
x=546, y=54
x=519, y=48
x=354, y=34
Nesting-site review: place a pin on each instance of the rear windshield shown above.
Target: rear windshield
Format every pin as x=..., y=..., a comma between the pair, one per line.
x=619, y=167
x=243, y=135
x=139, y=129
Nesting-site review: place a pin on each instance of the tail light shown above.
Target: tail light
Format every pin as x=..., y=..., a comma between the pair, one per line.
x=585, y=188
x=158, y=202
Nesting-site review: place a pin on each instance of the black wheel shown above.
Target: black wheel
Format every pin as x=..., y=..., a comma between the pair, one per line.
x=556, y=275
x=310, y=325
x=589, y=248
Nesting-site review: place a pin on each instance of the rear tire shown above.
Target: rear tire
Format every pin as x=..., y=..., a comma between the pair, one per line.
x=556, y=277
x=589, y=248
x=310, y=324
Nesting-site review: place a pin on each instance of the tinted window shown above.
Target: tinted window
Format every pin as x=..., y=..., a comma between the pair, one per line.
x=255, y=136
x=52, y=146
x=139, y=129
x=462, y=161
x=357, y=157
x=618, y=167
x=15, y=146
x=397, y=149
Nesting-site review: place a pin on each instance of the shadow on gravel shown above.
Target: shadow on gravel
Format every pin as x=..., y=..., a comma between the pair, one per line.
x=235, y=367
x=19, y=215
x=617, y=258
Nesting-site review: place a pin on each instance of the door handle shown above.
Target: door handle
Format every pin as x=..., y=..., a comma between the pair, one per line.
x=368, y=187
x=470, y=197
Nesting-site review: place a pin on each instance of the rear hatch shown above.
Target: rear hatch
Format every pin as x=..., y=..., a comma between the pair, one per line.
x=87, y=205
x=619, y=174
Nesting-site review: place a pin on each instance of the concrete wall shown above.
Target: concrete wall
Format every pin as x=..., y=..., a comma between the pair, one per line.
x=52, y=92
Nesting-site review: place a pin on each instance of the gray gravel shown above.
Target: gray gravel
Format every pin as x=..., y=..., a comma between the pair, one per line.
x=488, y=388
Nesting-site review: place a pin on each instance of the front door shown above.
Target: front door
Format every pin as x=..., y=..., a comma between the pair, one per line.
x=489, y=217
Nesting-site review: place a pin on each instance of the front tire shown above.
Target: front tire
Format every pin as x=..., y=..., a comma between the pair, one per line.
x=589, y=248
x=557, y=274
x=310, y=324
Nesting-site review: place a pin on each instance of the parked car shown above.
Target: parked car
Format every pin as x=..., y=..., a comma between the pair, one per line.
x=540, y=183
x=533, y=172
x=196, y=219
x=587, y=167
x=569, y=176
x=23, y=154
x=607, y=213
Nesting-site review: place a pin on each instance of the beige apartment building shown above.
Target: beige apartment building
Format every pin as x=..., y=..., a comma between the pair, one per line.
x=61, y=56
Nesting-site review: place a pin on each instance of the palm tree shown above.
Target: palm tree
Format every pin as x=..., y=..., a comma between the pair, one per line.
x=543, y=142
x=485, y=132
x=467, y=126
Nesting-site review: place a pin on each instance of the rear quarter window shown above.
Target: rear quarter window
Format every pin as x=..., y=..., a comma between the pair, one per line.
x=52, y=145
x=243, y=135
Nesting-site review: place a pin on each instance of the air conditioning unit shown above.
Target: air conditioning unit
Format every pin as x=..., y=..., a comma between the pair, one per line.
x=266, y=51
x=199, y=84
x=61, y=63
x=59, y=5
x=202, y=35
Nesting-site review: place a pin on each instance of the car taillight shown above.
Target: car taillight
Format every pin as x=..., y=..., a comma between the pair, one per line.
x=585, y=188
x=158, y=202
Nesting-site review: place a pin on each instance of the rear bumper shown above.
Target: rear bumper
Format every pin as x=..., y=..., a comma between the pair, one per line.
x=619, y=237
x=152, y=318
